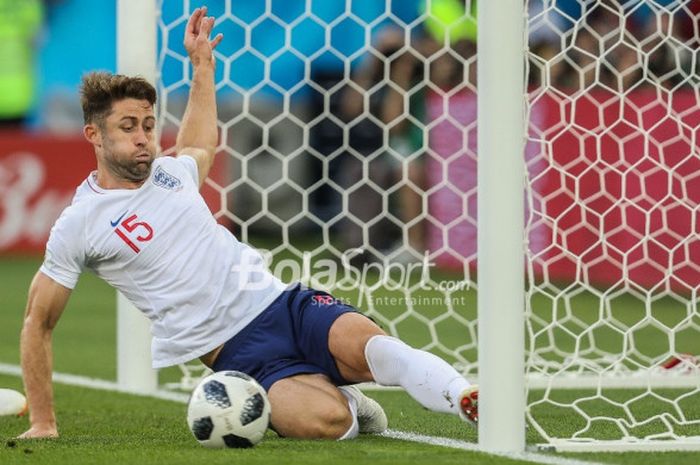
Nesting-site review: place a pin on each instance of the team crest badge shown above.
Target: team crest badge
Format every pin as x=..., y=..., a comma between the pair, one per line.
x=162, y=178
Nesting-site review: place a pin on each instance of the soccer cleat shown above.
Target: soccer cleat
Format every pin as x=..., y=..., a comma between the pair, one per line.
x=370, y=415
x=469, y=405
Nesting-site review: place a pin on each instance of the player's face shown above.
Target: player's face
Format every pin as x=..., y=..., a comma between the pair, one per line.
x=129, y=139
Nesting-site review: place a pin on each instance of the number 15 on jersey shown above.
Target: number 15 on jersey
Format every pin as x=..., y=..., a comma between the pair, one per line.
x=132, y=231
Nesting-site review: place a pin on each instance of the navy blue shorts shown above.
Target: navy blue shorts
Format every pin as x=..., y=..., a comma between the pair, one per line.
x=288, y=338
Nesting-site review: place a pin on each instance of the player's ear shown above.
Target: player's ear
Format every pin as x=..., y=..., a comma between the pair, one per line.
x=93, y=134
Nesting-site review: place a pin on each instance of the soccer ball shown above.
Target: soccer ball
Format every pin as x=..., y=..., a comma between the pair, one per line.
x=228, y=409
x=12, y=402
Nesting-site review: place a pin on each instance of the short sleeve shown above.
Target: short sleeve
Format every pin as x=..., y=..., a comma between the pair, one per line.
x=65, y=255
x=190, y=165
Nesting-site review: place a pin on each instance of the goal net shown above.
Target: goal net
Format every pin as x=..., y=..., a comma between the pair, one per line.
x=612, y=309
x=348, y=153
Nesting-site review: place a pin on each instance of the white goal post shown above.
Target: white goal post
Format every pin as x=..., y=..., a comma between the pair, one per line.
x=136, y=55
x=501, y=183
x=586, y=116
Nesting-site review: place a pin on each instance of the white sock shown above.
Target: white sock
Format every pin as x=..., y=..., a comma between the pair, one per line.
x=427, y=378
x=354, y=427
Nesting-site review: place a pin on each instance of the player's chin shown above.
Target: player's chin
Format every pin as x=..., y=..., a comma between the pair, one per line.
x=140, y=170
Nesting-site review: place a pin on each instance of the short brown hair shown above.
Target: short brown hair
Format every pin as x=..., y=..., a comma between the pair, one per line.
x=100, y=89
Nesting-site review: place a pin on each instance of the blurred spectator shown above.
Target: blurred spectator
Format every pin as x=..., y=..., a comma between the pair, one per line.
x=366, y=173
x=403, y=111
x=20, y=23
x=329, y=72
x=576, y=46
x=672, y=47
x=596, y=49
x=384, y=109
x=547, y=26
x=613, y=45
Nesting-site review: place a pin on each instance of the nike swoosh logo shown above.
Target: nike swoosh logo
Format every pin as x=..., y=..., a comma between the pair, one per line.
x=115, y=223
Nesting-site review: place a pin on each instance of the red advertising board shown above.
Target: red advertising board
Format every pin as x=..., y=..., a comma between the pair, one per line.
x=38, y=177
x=614, y=186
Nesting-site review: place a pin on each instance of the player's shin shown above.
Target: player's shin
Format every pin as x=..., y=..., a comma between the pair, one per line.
x=431, y=381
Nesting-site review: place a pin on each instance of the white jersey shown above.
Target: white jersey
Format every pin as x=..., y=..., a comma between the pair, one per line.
x=161, y=247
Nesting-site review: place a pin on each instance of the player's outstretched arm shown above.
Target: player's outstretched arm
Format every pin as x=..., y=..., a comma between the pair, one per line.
x=198, y=135
x=46, y=302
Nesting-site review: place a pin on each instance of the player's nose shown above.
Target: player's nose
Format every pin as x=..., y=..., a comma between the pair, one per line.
x=140, y=138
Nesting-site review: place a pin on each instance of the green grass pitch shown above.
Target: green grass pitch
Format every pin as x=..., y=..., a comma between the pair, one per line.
x=105, y=427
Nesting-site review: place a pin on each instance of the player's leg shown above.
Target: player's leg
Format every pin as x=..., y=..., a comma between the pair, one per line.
x=363, y=352
x=286, y=350
x=309, y=406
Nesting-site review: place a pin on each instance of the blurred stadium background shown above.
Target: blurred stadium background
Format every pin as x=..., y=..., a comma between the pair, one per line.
x=353, y=124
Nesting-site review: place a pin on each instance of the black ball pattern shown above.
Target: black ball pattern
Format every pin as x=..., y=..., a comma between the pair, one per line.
x=215, y=393
x=236, y=442
x=252, y=409
x=202, y=428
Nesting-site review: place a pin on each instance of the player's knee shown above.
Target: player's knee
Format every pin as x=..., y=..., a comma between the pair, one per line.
x=329, y=421
x=333, y=422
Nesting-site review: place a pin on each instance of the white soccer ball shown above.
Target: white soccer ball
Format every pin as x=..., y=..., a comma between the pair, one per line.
x=12, y=402
x=228, y=409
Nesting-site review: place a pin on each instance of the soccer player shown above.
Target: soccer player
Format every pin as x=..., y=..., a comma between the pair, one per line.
x=140, y=224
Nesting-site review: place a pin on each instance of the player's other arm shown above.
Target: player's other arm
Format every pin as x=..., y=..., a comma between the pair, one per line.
x=46, y=302
x=198, y=133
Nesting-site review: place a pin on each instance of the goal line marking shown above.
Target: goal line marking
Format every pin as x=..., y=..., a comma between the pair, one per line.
x=463, y=445
x=105, y=385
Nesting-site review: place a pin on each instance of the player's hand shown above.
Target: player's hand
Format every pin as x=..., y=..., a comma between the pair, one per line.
x=40, y=431
x=199, y=47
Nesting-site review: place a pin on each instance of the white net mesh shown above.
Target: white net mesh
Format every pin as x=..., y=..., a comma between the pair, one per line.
x=326, y=149
x=612, y=296
x=348, y=124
